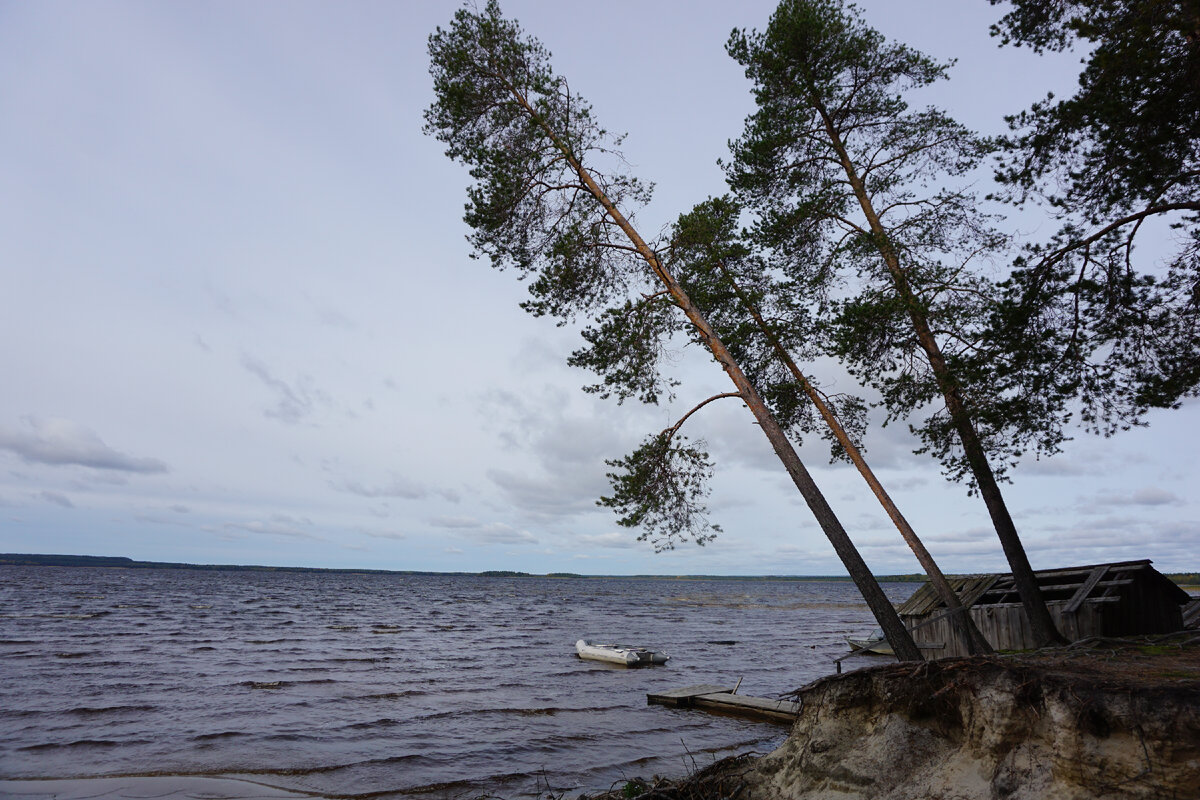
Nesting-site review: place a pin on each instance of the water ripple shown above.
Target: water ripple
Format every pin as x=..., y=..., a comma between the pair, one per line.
x=372, y=684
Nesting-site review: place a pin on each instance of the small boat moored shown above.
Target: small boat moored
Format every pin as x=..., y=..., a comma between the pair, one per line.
x=874, y=642
x=625, y=655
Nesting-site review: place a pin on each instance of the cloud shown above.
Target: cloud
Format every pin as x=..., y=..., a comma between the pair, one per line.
x=60, y=442
x=621, y=540
x=1058, y=466
x=1171, y=544
x=57, y=499
x=567, y=448
x=1148, y=496
x=277, y=525
x=968, y=535
x=549, y=496
x=485, y=533
x=383, y=534
x=292, y=402
x=455, y=522
x=499, y=533
x=155, y=519
x=396, y=487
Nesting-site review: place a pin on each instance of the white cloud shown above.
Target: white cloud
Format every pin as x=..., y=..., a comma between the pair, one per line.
x=1147, y=496
x=61, y=442
x=619, y=540
x=1057, y=466
x=455, y=522
x=57, y=499
x=396, y=486
x=277, y=525
x=486, y=533
x=383, y=534
x=499, y=533
x=293, y=401
x=1152, y=496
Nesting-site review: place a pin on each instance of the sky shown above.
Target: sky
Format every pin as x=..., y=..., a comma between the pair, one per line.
x=241, y=325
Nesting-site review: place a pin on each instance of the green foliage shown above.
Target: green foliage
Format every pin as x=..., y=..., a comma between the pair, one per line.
x=502, y=111
x=833, y=133
x=633, y=788
x=756, y=310
x=627, y=346
x=661, y=488
x=538, y=162
x=1130, y=135
x=1118, y=336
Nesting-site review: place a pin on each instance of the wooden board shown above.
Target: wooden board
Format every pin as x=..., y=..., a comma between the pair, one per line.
x=682, y=697
x=723, y=700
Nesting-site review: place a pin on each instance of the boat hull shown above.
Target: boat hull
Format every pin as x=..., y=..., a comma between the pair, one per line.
x=622, y=655
x=866, y=645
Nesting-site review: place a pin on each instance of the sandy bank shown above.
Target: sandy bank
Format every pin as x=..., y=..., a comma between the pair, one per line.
x=1105, y=720
x=1099, y=720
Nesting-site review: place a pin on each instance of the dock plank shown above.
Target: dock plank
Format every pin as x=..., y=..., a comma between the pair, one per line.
x=722, y=700
x=677, y=697
x=746, y=701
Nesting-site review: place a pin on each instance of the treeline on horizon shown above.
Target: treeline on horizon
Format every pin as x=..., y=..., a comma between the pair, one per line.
x=123, y=562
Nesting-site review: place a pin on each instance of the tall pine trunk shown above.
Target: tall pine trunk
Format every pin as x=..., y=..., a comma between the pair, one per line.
x=1041, y=624
x=882, y=608
x=972, y=637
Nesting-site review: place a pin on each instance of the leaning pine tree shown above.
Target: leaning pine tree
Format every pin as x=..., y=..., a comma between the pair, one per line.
x=540, y=205
x=753, y=308
x=836, y=165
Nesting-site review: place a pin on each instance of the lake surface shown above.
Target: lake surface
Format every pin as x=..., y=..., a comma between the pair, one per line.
x=388, y=685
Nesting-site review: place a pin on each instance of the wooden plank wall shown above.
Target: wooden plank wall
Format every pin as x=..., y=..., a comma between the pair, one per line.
x=1137, y=607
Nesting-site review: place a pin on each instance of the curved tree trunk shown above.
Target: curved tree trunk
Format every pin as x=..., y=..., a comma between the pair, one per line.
x=885, y=614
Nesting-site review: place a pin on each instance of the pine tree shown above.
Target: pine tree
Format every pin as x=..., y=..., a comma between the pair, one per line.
x=836, y=165
x=549, y=200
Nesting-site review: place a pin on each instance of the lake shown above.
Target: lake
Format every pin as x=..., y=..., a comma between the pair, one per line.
x=392, y=685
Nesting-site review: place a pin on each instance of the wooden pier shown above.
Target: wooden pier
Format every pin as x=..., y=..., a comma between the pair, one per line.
x=723, y=700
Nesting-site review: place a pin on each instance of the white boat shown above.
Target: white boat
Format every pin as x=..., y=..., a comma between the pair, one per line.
x=624, y=655
x=874, y=642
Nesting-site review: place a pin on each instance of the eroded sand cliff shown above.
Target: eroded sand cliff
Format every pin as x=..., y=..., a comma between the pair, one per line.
x=1112, y=720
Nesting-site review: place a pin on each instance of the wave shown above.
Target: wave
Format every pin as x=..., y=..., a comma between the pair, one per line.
x=208, y=737
x=82, y=744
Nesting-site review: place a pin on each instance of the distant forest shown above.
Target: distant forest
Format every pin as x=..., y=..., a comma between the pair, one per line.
x=46, y=560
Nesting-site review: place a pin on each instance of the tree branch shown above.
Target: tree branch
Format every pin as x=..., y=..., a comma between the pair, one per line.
x=1058, y=254
x=671, y=431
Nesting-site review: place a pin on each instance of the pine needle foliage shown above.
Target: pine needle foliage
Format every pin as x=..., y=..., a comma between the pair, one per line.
x=529, y=140
x=834, y=133
x=1094, y=314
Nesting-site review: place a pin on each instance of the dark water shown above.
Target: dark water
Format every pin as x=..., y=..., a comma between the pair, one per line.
x=378, y=684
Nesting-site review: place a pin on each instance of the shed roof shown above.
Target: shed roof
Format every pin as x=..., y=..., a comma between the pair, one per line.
x=1072, y=584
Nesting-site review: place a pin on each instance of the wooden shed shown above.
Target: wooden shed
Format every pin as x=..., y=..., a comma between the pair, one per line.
x=1121, y=599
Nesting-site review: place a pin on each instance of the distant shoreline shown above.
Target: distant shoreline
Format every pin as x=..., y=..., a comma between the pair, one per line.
x=1189, y=580
x=121, y=562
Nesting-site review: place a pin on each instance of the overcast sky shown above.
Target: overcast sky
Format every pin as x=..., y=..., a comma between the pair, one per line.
x=240, y=323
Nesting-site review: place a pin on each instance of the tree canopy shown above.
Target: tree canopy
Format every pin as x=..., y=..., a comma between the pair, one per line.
x=545, y=201
x=839, y=168
x=1099, y=315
